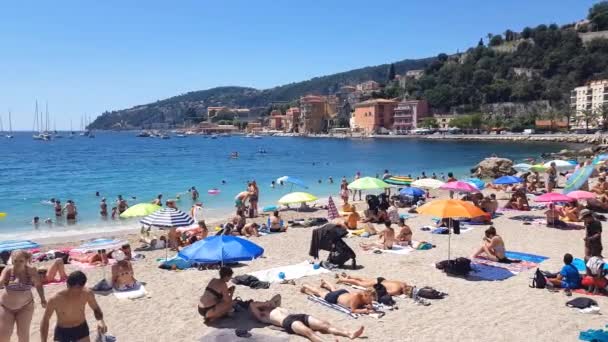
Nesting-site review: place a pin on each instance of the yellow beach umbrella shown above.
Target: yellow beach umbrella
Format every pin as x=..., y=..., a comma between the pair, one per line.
x=368, y=183
x=297, y=197
x=2, y=215
x=140, y=209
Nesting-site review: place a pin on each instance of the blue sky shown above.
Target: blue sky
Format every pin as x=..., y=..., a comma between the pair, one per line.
x=85, y=57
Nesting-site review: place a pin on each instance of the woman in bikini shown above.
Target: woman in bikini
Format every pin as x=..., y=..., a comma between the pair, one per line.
x=122, y=273
x=16, y=299
x=216, y=301
x=493, y=248
x=49, y=276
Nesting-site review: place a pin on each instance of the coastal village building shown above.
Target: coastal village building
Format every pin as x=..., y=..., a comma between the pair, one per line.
x=254, y=127
x=212, y=128
x=368, y=86
x=314, y=113
x=277, y=121
x=590, y=97
x=408, y=113
x=292, y=119
x=374, y=116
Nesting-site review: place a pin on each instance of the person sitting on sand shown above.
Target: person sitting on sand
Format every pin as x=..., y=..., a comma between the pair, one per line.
x=347, y=207
x=570, y=212
x=386, y=238
x=99, y=258
x=493, y=248
x=275, y=223
x=358, y=302
x=553, y=215
x=250, y=229
x=392, y=213
x=239, y=222
x=404, y=238
x=568, y=278
x=271, y=312
x=518, y=201
x=393, y=287
x=216, y=301
x=123, y=276
x=49, y=276
x=601, y=187
x=595, y=278
x=353, y=218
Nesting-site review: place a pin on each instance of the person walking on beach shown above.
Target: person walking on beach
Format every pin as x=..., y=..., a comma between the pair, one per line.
x=357, y=176
x=593, y=234
x=69, y=305
x=551, y=177
x=16, y=299
x=70, y=209
x=344, y=191
x=239, y=200
x=121, y=204
x=103, y=208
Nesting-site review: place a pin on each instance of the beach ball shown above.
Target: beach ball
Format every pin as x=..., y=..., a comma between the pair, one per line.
x=316, y=266
x=281, y=275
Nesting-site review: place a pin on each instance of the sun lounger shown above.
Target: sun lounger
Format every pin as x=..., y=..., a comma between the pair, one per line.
x=342, y=309
x=303, y=269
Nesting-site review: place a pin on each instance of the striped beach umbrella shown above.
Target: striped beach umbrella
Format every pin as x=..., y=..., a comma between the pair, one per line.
x=11, y=245
x=399, y=180
x=332, y=211
x=578, y=178
x=168, y=218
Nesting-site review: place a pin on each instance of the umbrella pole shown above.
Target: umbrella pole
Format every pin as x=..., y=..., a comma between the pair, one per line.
x=449, y=236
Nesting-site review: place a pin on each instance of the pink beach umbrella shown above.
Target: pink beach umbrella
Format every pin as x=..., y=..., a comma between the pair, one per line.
x=459, y=186
x=581, y=195
x=553, y=197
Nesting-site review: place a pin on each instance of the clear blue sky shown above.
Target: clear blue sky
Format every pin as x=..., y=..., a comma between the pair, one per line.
x=92, y=56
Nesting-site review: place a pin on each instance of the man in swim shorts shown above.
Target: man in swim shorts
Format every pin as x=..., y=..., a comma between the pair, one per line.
x=70, y=209
x=69, y=305
x=358, y=302
x=270, y=312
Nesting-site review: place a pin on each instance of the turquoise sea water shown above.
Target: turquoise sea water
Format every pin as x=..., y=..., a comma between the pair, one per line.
x=32, y=172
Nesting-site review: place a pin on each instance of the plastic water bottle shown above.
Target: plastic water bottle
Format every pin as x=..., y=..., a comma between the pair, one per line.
x=281, y=275
x=316, y=266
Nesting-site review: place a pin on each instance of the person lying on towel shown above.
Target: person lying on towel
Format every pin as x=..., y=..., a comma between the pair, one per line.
x=493, y=248
x=123, y=276
x=386, y=239
x=99, y=258
x=359, y=302
x=393, y=287
x=271, y=312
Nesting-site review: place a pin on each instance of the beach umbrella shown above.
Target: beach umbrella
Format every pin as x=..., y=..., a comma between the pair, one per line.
x=411, y=191
x=560, y=165
x=578, y=178
x=581, y=195
x=11, y=245
x=507, y=180
x=99, y=244
x=399, y=180
x=292, y=181
x=140, y=209
x=522, y=167
x=297, y=197
x=458, y=186
x=221, y=249
x=538, y=168
x=2, y=215
x=428, y=183
x=600, y=159
x=553, y=197
x=476, y=182
x=332, y=211
x=168, y=218
x=368, y=183
x=450, y=208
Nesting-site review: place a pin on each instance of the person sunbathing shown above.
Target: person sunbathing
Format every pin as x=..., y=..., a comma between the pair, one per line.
x=518, y=201
x=353, y=218
x=404, y=238
x=216, y=301
x=99, y=258
x=250, y=229
x=386, y=238
x=553, y=215
x=358, y=302
x=49, y=275
x=595, y=277
x=271, y=312
x=570, y=212
x=122, y=273
x=393, y=287
x=276, y=225
x=493, y=248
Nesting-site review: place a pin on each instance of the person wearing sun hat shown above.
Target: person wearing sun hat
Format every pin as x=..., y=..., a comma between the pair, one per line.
x=593, y=234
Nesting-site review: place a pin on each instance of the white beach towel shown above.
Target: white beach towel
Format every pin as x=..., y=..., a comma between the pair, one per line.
x=303, y=269
x=131, y=294
x=397, y=249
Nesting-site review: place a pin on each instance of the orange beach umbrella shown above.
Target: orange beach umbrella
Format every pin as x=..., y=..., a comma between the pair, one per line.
x=451, y=208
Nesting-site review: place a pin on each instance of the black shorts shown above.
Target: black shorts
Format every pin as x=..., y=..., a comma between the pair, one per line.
x=333, y=296
x=71, y=334
x=289, y=320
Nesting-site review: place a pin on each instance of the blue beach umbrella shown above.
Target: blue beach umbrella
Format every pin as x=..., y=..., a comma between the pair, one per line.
x=411, y=191
x=11, y=245
x=507, y=180
x=600, y=158
x=168, y=218
x=578, y=178
x=292, y=180
x=221, y=249
x=476, y=182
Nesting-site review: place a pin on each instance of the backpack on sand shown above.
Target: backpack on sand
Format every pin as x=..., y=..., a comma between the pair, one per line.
x=538, y=281
x=458, y=267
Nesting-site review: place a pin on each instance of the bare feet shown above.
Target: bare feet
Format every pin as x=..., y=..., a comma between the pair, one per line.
x=357, y=333
x=323, y=283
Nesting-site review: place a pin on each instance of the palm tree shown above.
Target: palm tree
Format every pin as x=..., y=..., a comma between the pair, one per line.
x=588, y=115
x=602, y=113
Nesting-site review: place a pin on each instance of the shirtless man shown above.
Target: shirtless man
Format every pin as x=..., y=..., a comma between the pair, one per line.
x=393, y=287
x=271, y=312
x=121, y=204
x=103, y=208
x=69, y=304
x=600, y=187
x=387, y=239
x=404, y=238
x=70, y=209
x=239, y=200
x=358, y=302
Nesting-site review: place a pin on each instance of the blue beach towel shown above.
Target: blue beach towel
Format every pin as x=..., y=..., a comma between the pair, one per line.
x=489, y=273
x=537, y=259
x=580, y=265
x=592, y=335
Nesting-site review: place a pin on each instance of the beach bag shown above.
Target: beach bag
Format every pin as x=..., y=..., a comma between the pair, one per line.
x=538, y=281
x=430, y=293
x=458, y=267
x=382, y=293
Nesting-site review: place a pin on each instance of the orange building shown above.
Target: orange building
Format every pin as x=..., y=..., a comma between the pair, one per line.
x=372, y=115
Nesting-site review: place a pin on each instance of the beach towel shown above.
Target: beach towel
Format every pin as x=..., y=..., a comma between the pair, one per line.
x=513, y=267
x=229, y=335
x=138, y=292
x=303, y=269
x=397, y=249
x=55, y=282
x=344, y=310
x=587, y=293
x=580, y=265
x=489, y=273
x=527, y=218
x=87, y=266
x=526, y=257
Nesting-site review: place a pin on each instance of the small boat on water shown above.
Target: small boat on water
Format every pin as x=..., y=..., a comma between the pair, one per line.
x=257, y=137
x=165, y=136
x=213, y=136
x=180, y=136
x=143, y=134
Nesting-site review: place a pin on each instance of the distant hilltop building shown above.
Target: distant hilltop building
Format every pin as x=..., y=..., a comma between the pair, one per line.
x=368, y=86
x=527, y=72
x=590, y=98
x=415, y=74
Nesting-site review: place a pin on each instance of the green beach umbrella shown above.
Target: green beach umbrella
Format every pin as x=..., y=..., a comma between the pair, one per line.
x=368, y=183
x=141, y=209
x=297, y=197
x=538, y=168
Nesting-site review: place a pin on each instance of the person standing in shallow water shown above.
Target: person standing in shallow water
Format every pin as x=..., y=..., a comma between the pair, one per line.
x=103, y=208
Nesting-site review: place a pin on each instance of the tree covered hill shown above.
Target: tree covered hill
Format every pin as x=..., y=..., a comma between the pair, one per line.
x=193, y=104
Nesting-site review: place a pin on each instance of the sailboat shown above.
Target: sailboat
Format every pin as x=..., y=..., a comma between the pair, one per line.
x=10, y=127
x=36, y=125
x=71, y=136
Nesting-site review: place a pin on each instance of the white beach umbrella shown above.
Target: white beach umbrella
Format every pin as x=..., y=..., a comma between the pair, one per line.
x=428, y=183
x=522, y=167
x=560, y=165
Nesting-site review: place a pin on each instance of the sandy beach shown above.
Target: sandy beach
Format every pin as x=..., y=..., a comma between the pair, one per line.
x=507, y=310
